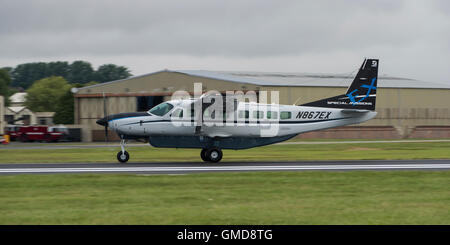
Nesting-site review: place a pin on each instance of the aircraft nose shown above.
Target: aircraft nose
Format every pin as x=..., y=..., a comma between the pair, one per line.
x=102, y=121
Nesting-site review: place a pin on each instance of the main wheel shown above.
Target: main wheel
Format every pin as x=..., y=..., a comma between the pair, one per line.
x=214, y=155
x=123, y=157
x=203, y=155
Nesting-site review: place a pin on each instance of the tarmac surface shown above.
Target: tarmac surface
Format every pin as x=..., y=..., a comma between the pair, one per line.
x=79, y=145
x=200, y=167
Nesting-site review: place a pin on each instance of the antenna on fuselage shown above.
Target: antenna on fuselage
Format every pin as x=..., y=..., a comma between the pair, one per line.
x=297, y=100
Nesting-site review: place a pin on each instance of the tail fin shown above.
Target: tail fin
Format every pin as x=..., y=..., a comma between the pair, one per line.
x=360, y=95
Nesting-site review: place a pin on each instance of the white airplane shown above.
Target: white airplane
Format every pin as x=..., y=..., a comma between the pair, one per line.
x=212, y=123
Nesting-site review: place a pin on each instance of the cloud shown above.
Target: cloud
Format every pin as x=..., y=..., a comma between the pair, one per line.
x=233, y=32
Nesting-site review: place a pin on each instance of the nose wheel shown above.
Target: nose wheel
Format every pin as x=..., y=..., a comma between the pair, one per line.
x=211, y=155
x=123, y=156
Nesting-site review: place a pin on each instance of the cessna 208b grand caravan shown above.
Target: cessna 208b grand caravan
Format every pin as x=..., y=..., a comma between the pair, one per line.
x=211, y=123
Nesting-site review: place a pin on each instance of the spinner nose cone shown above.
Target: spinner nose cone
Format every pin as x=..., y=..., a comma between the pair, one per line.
x=103, y=121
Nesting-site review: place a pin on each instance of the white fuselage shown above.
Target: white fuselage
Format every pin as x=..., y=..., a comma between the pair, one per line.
x=249, y=120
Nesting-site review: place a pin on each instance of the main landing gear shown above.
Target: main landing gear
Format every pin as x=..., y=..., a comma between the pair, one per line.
x=211, y=155
x=123, y=155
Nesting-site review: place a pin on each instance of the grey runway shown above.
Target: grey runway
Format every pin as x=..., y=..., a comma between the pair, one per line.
x=197, y=167
x=71, y=145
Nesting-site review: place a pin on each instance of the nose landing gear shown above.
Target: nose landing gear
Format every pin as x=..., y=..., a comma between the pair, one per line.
x=211, y=155
x=123, y=156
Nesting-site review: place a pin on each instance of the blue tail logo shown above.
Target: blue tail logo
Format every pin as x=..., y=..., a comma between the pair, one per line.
x=369, y=88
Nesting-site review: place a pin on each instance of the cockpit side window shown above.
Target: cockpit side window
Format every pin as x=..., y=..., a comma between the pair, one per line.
x=177, y=112
x=161, y=109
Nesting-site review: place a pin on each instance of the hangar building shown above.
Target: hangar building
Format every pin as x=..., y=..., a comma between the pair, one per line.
x=407, y=108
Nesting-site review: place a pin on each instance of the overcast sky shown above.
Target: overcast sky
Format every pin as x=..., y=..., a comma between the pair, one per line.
x=411, y=37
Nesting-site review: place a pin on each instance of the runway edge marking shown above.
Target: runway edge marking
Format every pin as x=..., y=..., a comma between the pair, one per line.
x=226, y=168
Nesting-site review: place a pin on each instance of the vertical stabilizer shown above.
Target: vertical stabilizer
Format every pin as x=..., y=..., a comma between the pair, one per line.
x=361, y=94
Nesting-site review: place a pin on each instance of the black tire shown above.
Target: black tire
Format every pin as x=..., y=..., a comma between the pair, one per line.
x=203, y=155
x=123, y=157
x=214, y=155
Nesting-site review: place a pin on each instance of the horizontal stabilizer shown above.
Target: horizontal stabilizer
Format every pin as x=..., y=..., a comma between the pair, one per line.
x=353, y=111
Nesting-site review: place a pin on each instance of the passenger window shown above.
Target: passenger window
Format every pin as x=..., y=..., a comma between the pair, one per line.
x=244, y=114
x=207, y=114
x=285, y=115
x=272, y=115
x=258, y=114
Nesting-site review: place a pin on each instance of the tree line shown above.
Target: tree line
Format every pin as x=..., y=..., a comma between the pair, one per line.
x=24, y=75
x=48, y=84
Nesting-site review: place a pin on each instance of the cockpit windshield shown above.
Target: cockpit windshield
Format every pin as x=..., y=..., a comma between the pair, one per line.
x=161, y=109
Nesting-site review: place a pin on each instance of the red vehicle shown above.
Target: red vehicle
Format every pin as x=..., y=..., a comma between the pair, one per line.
x=41, y=133
x=12, y=131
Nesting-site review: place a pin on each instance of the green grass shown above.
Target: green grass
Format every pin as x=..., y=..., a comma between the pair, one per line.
x=355, y=197
x=350, y=151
